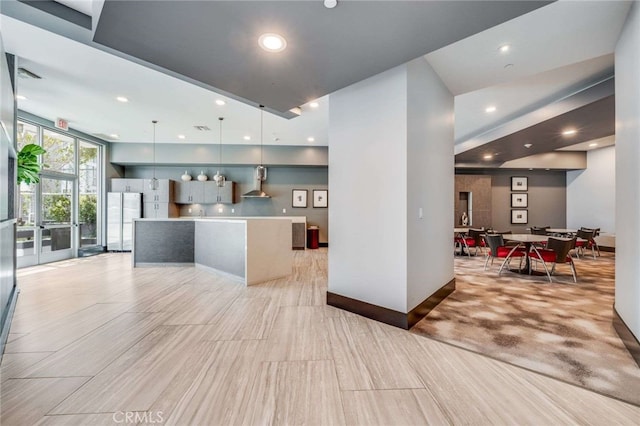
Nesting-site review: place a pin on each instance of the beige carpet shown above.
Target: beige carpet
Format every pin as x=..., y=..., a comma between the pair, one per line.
x=563, y=330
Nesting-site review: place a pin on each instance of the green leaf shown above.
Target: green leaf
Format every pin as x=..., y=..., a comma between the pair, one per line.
x=28, y=165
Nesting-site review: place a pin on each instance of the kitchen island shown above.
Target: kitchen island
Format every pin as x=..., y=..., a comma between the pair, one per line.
x=251, y=250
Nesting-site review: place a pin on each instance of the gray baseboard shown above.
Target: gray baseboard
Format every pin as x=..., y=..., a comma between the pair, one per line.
x=628, y=338
x=6, y=321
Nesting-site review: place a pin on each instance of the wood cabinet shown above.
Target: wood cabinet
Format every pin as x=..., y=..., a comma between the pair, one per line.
x=127, y=185
x=164, y=193
x=191, y=192
x=157, y=210
x=298, y=234
x=194, y=192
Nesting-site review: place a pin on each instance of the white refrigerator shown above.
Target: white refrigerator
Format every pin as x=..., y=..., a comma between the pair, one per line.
x=122, y=208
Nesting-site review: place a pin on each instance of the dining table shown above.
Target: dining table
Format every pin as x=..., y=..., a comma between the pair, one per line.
x=561, y=231
x=529, y=241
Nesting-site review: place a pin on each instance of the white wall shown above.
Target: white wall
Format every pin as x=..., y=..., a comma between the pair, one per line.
x=430, y=177
x=627, y=66
x=591, y=193
x=390, y=154
x=368, y=190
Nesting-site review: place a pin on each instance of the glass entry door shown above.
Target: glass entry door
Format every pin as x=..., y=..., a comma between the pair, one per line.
x=57, y=231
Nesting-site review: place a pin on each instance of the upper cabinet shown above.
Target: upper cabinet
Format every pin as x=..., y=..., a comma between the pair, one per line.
x=194, y=192
x=169, y=191
x=191, y=192
x=163, y=194
x=127, y=185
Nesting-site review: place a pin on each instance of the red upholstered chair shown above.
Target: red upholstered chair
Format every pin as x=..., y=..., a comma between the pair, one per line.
x=472, y=240
x=557, y=252
x=497, y=249
x=589, y=235
x=539, y=230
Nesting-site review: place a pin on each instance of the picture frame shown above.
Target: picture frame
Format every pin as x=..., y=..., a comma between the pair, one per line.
x=320, y=198
x=299, y=198
x=519, y=183
x=520, y=200
x=520, y=217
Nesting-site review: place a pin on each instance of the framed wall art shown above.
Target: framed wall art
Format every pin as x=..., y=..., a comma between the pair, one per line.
x=519, y=183
x=299, y=198
x=519, y=217
x=320, y=198
x=520, y=200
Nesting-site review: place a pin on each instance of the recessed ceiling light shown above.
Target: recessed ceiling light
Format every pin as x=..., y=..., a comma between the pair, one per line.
x=115, y=136
x=490, y=109
x=311, y=139
x=314, y=105
x=528, y=145
x=593, y=144
x=247, y=138
x=570, y=132
x=272, y=42
x=330, y=4
x=504, y=48
x=220, y=102
x=181, y=136
x=122, y=99
x=488, y=156
x=21, y=98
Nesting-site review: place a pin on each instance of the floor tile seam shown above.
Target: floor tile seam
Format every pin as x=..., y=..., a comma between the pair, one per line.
x=79, y=337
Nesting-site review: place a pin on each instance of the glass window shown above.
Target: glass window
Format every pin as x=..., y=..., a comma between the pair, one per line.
x=60, y=155
x=88, y=185
x=27, y=205
x=56, y=201
x=27, y=133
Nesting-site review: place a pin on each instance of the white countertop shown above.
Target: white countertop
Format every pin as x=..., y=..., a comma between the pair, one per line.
x=295, y=219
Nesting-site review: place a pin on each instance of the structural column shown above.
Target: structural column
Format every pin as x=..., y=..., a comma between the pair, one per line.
x=391, y=176
x=627, y=287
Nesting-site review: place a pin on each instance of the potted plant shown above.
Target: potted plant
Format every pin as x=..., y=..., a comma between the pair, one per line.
x=28, y=165
x=28, y=169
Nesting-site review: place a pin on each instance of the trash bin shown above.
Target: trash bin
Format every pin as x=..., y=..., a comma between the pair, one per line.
x=312, y=237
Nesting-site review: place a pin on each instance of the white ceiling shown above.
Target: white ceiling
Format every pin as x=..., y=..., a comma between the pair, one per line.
x=554, y=49
x=80, y=84
x=559, y=34
x=82, y=6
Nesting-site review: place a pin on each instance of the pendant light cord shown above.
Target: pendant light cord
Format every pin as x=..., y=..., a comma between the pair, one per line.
x=154, y=147
x=261, y=131
x=220, y=149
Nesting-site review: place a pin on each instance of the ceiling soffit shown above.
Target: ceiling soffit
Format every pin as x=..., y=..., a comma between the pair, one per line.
x=592, y=121
x=216, y=42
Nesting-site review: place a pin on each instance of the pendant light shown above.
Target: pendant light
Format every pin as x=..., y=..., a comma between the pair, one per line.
x=261, y=171
x=219, y=178
x=153, y=183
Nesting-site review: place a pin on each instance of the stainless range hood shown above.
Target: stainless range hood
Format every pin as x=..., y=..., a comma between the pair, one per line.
x=261, y=175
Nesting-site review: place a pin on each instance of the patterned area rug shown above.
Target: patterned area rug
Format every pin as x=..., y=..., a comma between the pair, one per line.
x=563, y=330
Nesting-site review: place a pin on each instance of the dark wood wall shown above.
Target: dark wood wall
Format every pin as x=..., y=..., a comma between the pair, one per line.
x=480, y=188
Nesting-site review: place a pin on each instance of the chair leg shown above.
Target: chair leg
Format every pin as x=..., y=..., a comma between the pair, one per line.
x=547, y=270
x=573, y=271
x=487, y=261
x=506, y=260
